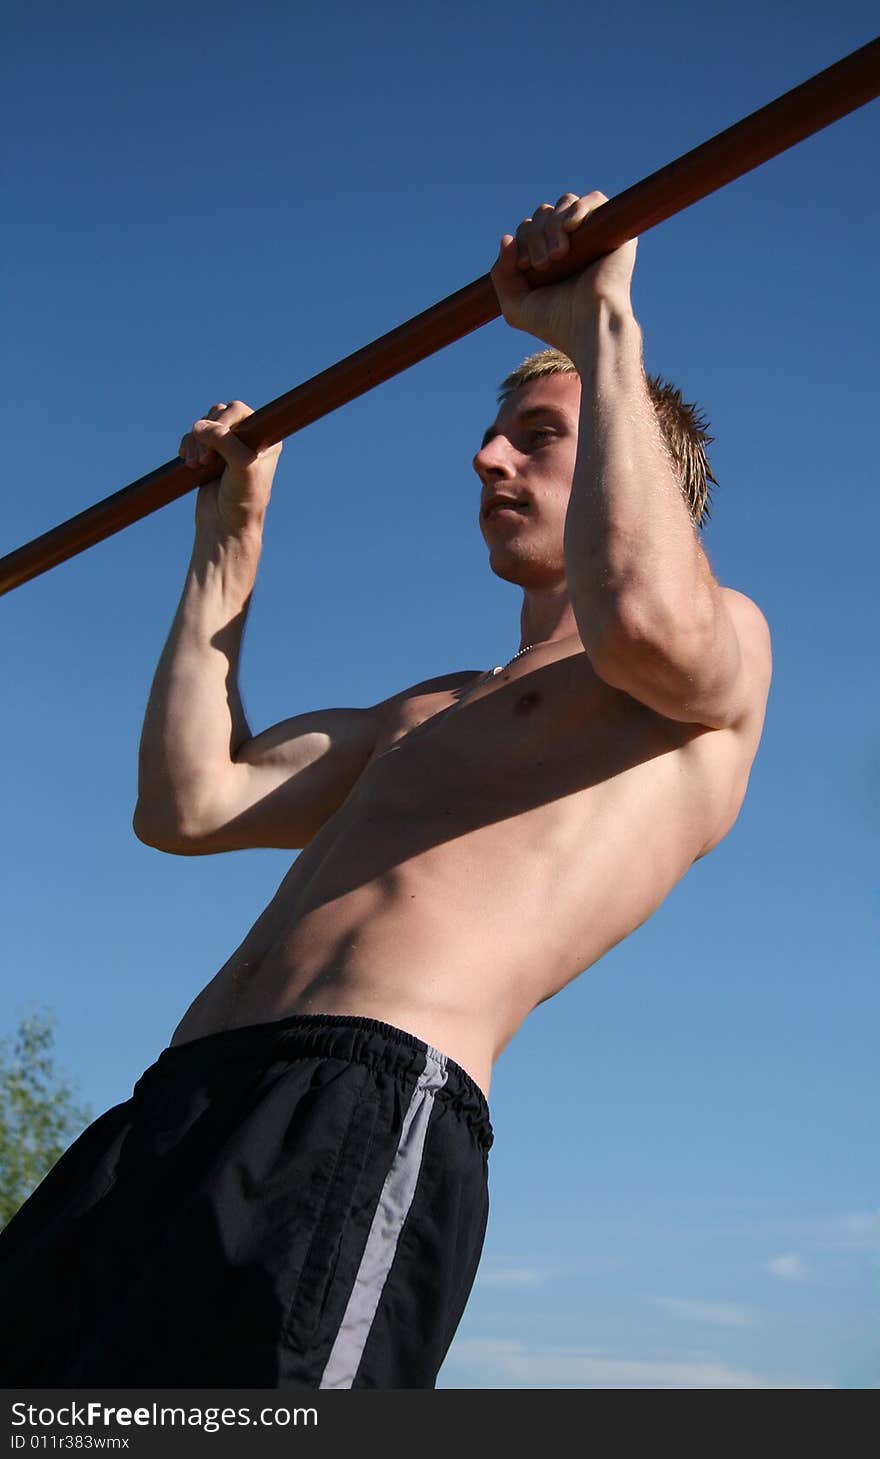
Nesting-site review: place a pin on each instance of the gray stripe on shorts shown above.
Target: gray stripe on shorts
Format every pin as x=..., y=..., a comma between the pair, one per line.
x=391, y=1212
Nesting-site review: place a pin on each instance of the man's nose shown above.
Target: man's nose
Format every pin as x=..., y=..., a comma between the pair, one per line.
x=495, y=459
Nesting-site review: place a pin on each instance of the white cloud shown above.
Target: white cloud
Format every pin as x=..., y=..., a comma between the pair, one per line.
x=788, y=1265
x=510, y=1277
x=502, y=1363
x=724, y=1314
x=856, y=1231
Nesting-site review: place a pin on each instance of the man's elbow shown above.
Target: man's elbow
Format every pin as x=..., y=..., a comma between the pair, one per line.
x=638, y=640
x=159, y=837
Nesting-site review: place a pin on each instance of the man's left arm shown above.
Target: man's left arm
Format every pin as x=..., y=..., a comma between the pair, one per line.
x=650, y=614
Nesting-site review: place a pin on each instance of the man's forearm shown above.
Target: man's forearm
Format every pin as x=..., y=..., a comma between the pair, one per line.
x=195, y=721
x=634, y=567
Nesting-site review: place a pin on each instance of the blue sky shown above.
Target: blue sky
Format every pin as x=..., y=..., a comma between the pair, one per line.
x=207, y=202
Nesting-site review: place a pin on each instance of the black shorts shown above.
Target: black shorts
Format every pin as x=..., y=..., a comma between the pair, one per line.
x=301, y=1202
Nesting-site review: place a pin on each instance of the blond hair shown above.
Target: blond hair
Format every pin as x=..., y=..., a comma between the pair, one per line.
x=682, y=426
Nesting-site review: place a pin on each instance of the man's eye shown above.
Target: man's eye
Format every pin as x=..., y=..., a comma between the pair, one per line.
x=542, y=433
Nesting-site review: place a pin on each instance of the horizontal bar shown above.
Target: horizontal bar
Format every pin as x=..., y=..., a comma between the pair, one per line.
x=824, y=98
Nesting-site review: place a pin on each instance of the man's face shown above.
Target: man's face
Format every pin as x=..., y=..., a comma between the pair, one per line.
x=527, y=458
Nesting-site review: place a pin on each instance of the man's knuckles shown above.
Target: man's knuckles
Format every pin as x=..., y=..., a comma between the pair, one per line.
x=235, y=411
x=212, y=437
x=544, y=235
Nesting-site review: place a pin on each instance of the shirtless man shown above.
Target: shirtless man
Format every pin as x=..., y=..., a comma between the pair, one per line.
x=473, y=843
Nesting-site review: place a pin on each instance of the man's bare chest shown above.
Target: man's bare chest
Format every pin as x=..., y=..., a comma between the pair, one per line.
x=535, y=808
x=545, y=799
x=515, y=741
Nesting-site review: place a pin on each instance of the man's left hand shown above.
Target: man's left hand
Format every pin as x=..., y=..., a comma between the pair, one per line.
x=557, y=312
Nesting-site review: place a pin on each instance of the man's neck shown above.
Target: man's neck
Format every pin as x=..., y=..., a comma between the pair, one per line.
x=546, y=617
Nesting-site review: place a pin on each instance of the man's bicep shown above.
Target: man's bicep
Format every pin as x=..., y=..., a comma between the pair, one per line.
x=718, y=683
x=292, y=778
x=283, y=784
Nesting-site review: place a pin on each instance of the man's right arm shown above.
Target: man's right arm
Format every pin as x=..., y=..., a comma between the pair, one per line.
x=205, y=784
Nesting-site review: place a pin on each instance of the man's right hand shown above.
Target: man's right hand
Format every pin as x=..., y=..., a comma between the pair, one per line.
x=235, y=502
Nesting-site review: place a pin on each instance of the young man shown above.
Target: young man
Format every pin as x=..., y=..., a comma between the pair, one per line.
x=296, y=1193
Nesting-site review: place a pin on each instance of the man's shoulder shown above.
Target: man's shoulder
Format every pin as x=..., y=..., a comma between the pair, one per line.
x=753, y=636
x=436, y=684
x=746, y=612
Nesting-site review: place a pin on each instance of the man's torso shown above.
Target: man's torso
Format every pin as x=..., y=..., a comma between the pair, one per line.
x=506, y=832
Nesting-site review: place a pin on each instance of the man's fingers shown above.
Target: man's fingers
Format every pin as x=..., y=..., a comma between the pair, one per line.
x=506, y=276
x=522, y=243
x=507, y=251
x=211, y=437
x=532, y=250
x=544, y=236
x=231, y=413
x=539, y=246
x=557, y=238
x=577, y=211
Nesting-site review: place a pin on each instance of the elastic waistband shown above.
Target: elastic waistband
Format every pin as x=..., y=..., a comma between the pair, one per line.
x=334, y=1035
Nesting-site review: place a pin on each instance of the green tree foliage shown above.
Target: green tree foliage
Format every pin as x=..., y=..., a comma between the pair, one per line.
x=38, y=1114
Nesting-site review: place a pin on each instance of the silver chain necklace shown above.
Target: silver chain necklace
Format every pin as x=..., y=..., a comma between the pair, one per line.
x=501, y=667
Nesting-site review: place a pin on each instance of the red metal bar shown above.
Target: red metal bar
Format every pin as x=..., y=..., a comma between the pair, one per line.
x=824, y=98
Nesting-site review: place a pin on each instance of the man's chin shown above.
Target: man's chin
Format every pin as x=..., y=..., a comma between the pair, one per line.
x=510, y=572
x=521, y=572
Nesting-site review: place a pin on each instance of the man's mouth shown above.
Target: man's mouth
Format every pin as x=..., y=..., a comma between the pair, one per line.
x=504, y=509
